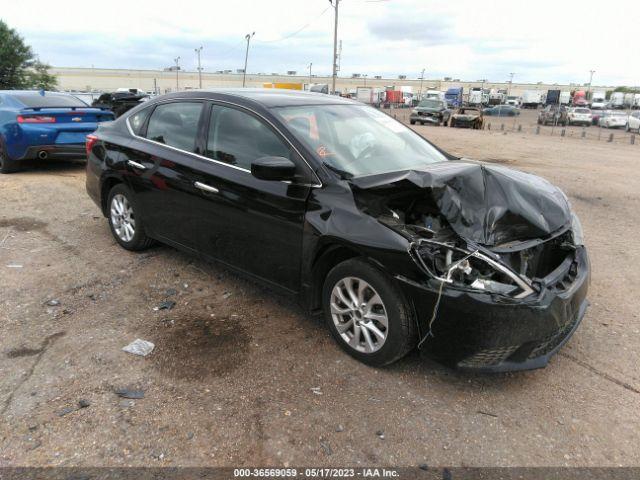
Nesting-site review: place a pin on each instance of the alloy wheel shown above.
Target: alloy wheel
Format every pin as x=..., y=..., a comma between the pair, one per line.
x=359, y=315
x=122, y=218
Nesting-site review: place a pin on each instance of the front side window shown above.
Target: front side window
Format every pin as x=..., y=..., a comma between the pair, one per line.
x=175, y=124
x=357, y=140
x=238, y=138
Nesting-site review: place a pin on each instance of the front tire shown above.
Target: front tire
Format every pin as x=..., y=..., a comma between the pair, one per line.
x=125, y=221
x=367, y=314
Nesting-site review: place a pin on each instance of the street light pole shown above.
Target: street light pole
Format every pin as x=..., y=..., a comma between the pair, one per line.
x=421, y=80
x=177, y=60
x=246, y=58
x=591, y=72
x=198, y=51
x=335, y=46
x=510, y=84
x=310, y=65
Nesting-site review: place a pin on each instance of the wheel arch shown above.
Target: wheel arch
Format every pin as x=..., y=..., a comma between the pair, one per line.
x=325, y=259
x=106, y=185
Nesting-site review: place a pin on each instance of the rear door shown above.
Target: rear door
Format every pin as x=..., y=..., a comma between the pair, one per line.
x=160, y=162
x=251, y=224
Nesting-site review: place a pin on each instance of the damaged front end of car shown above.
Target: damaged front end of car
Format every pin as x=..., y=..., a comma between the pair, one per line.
x=501, y=272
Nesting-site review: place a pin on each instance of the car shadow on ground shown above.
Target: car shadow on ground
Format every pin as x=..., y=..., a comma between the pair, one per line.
x=53, y=167
x=416, y=365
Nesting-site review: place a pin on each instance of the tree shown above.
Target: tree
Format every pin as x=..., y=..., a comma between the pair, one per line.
x=38, y=76
x=19, y=67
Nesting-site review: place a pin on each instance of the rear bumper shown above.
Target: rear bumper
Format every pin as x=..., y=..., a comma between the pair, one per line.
x=55, y=152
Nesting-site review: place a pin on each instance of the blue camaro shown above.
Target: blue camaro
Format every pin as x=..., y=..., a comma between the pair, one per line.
x=39, y=124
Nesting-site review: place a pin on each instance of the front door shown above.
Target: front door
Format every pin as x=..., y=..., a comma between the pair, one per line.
x=251, y=224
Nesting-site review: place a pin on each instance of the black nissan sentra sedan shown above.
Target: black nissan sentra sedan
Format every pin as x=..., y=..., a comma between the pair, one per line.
x=399, y=244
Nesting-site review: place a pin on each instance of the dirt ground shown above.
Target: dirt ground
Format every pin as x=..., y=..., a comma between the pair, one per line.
x=241, y=376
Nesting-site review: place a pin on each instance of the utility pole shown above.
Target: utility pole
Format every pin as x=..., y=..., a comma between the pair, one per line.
x=310, y=65
x=246, y=57
x=421, y=80
x=177, y=60
x=510, y=83
x=335, y=46
x=198, y=51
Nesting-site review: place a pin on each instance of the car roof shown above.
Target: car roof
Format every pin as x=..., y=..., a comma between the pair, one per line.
x=30, y=92
x=267, y=97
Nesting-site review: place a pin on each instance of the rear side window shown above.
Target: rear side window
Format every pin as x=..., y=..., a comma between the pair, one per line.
x=175, y=124
x=49, y=100
x=137, y=120
x=237, y=138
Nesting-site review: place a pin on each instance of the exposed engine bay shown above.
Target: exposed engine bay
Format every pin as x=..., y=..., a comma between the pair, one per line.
x=476, y=228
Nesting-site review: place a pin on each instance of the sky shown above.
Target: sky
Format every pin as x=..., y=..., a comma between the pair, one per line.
x=547, y=41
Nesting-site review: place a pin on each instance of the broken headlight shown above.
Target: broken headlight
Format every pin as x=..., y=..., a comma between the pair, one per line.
x=576, y=229
x=472, y=270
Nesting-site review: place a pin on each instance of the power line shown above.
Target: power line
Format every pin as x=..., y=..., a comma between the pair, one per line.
x=293, y=34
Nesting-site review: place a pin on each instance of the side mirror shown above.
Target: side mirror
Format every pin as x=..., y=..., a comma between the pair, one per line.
x=273, y=168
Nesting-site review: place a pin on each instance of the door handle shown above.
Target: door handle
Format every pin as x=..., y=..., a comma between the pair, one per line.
x=206, y=188
x=136, y=165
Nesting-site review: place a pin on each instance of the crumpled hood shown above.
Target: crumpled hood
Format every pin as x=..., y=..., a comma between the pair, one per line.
x=487, y=204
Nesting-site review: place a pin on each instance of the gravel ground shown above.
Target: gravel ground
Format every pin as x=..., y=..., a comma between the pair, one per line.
x=241, y=376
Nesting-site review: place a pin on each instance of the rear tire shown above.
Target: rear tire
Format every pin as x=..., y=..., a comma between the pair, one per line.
x=363, y=333
x=125, y=221
x=412, y=122
x=6, y=164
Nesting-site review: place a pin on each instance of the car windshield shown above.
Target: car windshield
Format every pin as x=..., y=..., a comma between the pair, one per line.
x=429, y=104
x=582, y=110
x=49, y=100
x=357, y=140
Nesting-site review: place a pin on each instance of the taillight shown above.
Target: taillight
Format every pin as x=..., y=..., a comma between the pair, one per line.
x=90, y=142
x=36, y=119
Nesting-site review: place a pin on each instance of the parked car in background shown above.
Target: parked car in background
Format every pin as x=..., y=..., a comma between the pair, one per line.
x=553, y=115
x=430, y=111
x=354, y=215
x=44, y=125
x=633, y=122
x=120, y=102
x=501, y=111
x=595, y=116
x=613, y=119
x=469, y=117
x=579, y=116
